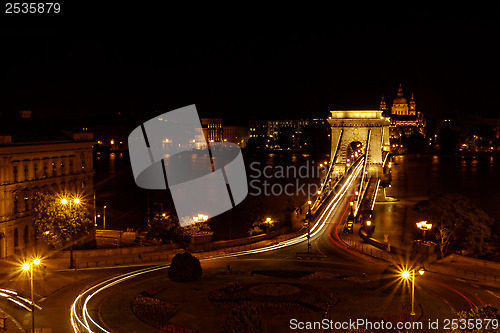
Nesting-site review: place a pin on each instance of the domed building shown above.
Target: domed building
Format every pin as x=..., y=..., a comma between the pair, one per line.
x=405, y=119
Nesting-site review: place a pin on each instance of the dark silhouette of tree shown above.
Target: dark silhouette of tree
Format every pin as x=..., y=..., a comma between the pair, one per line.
x=485, y=135
x=255, y=143
x=164, y=227
x=448, y=141
x=480, y=315
x=458, y=223
x=185, y=267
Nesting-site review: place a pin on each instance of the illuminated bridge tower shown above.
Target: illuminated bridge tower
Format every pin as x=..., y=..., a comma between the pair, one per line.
x=365, y=129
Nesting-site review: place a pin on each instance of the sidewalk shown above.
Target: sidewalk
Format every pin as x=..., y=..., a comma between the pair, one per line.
x=468, y=268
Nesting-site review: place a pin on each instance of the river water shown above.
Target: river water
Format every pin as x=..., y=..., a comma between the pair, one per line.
x=277, y=183
x=415, y=176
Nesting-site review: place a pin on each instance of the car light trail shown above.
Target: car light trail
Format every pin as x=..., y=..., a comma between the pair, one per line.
x=14, y=297
x=82, y=321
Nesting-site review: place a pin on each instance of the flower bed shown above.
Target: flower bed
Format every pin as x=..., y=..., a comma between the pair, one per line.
x=306, y=299
x=156, y=312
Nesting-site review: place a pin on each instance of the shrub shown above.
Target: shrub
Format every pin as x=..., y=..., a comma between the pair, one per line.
x=185, y=267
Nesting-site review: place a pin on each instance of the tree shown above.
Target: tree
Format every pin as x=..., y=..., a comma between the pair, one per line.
x=61, y=219
x=164, y=227
x=481, y=319
x=184, y=267
x=458, y=222
x=261, y=226
x=255, y=143
x=448, y=141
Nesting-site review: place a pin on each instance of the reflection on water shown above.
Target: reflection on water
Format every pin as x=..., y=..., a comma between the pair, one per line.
x=414, y=177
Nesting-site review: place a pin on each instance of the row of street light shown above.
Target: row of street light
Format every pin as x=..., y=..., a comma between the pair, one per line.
x=406, y=274
x=28, y=267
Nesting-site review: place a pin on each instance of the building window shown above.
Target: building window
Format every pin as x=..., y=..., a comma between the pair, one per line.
x=26, y=235
x=82, y=158
x=44, y=170
x=26, y=172
x=26, y=201
x=16, y=239
x=54, y=170
x=16, y=203
x=15, y=173
x=35, y=171
x=62, y=168
x=71, y=166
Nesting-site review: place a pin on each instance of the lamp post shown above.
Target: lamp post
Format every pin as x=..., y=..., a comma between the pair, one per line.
x=65, y=202
x=406, y=275
x=104, y=218
x=28, y=267
x=424, y=226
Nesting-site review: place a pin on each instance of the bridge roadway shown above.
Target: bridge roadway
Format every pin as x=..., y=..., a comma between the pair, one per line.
x=440, y=295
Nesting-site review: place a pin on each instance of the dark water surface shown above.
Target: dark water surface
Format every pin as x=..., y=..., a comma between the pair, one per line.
x=415, y=176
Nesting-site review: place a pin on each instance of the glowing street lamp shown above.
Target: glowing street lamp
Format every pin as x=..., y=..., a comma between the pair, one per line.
x=28, y=267
x=424, y=226
x=69, y=203
x=308, y=217
x=104, y=218
x=406, y=275
x=200, y=218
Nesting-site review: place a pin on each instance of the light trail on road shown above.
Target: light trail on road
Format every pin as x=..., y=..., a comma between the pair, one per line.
x=14, y=297
x=82, y=321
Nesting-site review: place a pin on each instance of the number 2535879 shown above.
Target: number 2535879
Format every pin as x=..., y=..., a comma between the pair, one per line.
x=32, y=7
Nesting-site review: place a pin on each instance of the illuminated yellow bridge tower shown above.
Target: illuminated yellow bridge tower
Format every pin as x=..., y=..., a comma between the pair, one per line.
x=366, y=129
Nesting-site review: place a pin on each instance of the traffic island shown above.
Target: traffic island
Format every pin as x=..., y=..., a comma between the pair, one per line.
x=268, y=300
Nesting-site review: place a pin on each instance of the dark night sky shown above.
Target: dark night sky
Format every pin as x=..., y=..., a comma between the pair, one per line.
x=241, y=65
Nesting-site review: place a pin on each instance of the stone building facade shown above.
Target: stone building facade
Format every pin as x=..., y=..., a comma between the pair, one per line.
x=59, y=166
